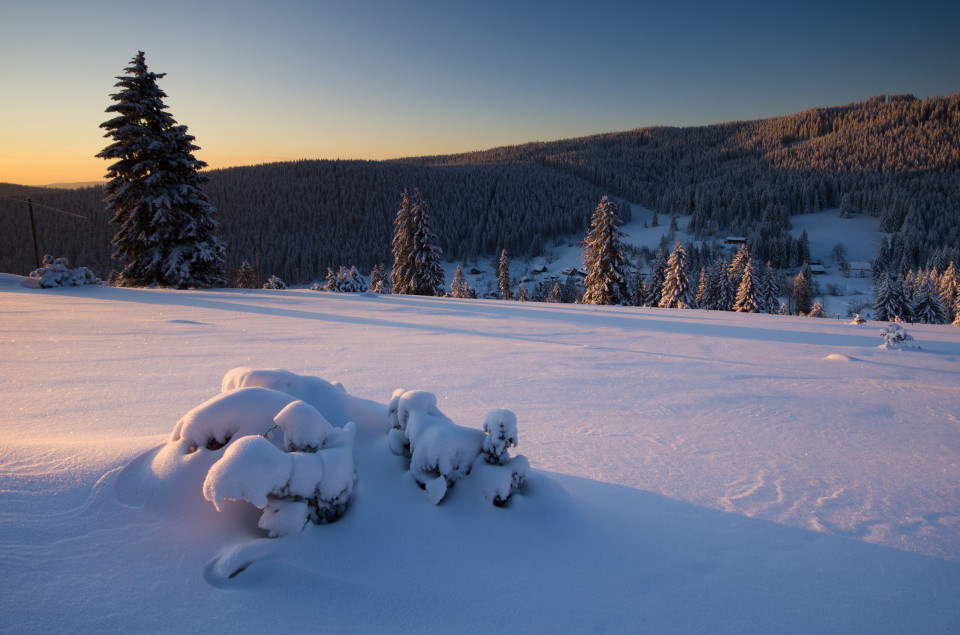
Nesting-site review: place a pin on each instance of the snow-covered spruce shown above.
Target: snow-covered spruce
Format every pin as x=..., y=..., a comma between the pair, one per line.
x=895, y=336
x=56, y=272
x=442, y=452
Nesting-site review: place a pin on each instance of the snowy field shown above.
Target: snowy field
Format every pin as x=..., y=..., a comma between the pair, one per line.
x=691, y=471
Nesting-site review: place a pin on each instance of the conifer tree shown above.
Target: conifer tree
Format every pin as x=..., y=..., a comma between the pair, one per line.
x=949, y=287
x=417, y=269
x=522, y=293
x=817, y=311
x=402, y=271
x=801, y=294
x=459, y=288
x=653, y=289
x=746, y=301
x=740, y=261
x=606, y=281
x=556, y=293
x=889, y=302
x=927, y=308
x=770, y=292
x=168, y=233
x=378, y=279
x=703, y=290
x=246, y=277
x=677, y=291
x=636, y=291
x=503, y=276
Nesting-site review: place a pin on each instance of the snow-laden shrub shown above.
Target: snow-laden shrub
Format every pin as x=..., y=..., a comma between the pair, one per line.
x=274, y=282
x=292, y=488
x=56, y=272
x=442, y=452
x=857, y=320
x=344, y=281
x=285, y=443
x=895, y=336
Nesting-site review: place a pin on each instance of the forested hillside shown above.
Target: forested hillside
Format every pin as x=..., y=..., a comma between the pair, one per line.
x=894, y=157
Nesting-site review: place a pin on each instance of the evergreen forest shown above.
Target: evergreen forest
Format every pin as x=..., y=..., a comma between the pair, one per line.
x=894, y=157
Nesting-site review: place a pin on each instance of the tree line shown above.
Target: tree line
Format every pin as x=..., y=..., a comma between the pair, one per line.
x=895, y=157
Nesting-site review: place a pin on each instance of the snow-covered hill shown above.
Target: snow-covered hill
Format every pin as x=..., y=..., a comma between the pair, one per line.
x=692, y=471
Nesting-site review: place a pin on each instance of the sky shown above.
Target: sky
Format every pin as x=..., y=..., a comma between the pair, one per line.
x=257, y=82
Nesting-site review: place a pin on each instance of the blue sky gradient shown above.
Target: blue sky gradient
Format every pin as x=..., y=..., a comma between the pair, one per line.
x=258, y=82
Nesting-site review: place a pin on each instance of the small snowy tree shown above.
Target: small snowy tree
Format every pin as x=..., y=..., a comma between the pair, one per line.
x=817, y=311
x=522, y=293
x=677, y=291
x=167, y=232
x=379, y=281
x=460, y=288
x=895, y=336
x=503, y=276
x=245, y=277
x=606, y=281
x=556, y=293
x=274, y=282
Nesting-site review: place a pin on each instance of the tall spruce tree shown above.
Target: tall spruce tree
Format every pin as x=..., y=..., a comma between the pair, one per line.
x=416, y=253
x=606, y=281
x=746, y=301
x=677, y=289
x=801, y=295
x=168, y=231
x=503, y=276
x=427, y=275
x=402, y=271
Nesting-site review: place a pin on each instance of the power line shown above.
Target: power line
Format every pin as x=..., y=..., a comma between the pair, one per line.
x=62, y=211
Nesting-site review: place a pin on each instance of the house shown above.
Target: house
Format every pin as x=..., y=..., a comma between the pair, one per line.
x=860, y=269
x=734, y=241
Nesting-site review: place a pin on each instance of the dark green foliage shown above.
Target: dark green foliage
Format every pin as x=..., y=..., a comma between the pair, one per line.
x=167, y=234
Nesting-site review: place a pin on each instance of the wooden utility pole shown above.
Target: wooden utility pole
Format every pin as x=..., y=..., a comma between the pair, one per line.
x=33, y=231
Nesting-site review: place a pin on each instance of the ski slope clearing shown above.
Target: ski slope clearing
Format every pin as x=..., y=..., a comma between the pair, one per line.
x=689, y=470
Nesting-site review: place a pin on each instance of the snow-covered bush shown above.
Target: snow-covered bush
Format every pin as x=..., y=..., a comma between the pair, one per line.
x=285, y=443
x=857, y=320
x=274, y=282
x=442, y=452
x=895, y=336
x=56, y=272
x=343, y=281
x=292, y=488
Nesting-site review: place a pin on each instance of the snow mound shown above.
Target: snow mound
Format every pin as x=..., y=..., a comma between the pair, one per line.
x=285, y=443
x=839, y=357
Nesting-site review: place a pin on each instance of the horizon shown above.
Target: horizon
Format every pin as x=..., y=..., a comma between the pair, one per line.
x=298, y=81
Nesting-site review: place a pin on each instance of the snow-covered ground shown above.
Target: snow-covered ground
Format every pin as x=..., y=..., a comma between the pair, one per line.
x=691, y=471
